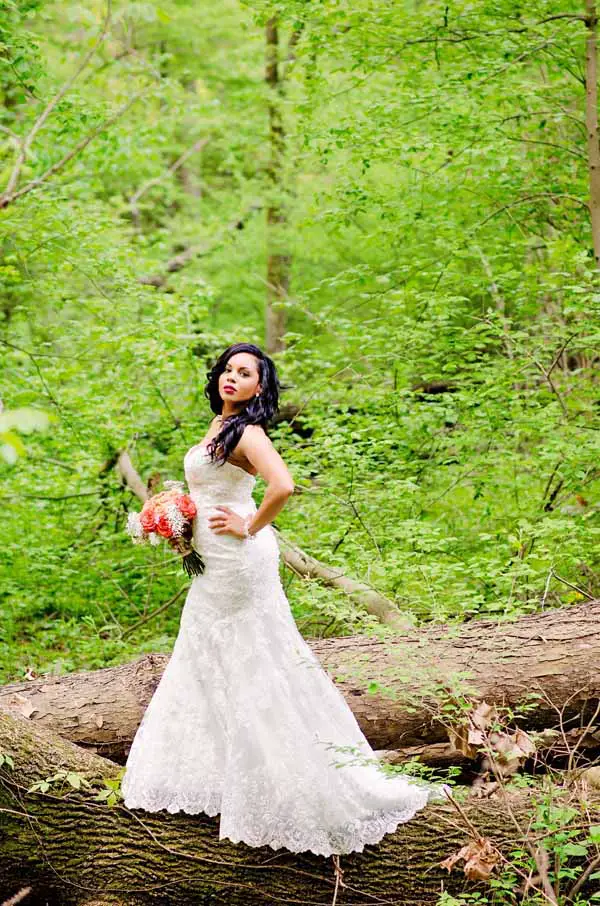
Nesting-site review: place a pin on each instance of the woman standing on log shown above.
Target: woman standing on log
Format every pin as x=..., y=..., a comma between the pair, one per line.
x=245, y=722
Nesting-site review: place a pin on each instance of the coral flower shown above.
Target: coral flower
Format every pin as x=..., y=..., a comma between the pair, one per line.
x=163, y=526
x=186, y=506
x=147, y=519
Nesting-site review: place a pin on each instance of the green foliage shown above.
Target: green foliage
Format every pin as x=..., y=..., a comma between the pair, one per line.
x=6, y=761
x=568, y=839
x=59, y=782
x=23, y=420
x=64, y=783
x=564, y=841
x=442, y=320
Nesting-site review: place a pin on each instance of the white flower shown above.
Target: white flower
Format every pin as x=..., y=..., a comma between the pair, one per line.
x=176, y=519
x=134, y=526
x=174, y=486
x=154, y=538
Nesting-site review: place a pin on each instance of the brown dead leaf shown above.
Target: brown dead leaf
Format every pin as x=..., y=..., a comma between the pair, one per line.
x=480, y=858
x=483, y=715
x=524, y=742
x=451, y=861
x=459, y=740
x=476, y=737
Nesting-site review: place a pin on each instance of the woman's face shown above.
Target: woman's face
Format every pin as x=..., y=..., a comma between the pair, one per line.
x=240, y=374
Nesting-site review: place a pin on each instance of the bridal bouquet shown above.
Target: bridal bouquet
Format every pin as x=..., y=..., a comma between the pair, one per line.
x=169, y=515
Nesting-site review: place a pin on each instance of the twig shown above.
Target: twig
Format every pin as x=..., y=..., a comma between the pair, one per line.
x=532, y=197
x=39, y=123
x=551, y=479
x=154, y=613
x=339, y=875
x=575, y=587
x=8, y=198
x=20, y=895
x=183, y=258
x=197, y=146
x=537, y=852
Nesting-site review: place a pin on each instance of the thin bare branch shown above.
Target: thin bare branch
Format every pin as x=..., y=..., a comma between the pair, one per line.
x=7, y=199
x=574, y=587
x=197, y=146
x=552, y=387
x=43, y=117
x=526, y=198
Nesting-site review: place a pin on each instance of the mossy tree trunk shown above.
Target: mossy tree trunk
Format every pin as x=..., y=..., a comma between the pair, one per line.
x=73, y=850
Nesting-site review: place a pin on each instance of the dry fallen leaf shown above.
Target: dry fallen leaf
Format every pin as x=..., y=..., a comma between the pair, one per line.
x=479, y=856
x=483, y=715
x=524, y=742
x=592, y=777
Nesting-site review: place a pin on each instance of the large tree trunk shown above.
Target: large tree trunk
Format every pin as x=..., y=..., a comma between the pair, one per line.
x=397, y=688
x=591, y=121
x=73, y=850
x=278, y=259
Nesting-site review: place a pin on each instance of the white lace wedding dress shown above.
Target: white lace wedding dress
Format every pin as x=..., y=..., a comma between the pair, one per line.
x=245, y=722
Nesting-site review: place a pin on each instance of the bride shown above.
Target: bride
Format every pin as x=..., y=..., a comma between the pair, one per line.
x=245, y=722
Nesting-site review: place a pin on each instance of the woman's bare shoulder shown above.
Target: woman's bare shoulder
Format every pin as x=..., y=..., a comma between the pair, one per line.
x=255, y=434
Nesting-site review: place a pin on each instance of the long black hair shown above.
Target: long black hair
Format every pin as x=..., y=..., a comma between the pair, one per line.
x=259, y=410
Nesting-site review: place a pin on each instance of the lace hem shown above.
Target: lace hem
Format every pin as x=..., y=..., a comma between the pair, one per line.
x=278, y=833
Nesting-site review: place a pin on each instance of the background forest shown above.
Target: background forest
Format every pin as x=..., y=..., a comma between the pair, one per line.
x=398, y=200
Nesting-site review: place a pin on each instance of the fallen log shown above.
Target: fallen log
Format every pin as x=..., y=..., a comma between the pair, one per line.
x=75, y=850
x=367, y=597
x=399, y=689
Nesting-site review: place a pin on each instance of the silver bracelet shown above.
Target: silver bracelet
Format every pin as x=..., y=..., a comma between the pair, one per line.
x=248, y=519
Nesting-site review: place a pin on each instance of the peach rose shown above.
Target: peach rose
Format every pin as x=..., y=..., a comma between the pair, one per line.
x=147, y=519
x=186, y=506
x=163, y=527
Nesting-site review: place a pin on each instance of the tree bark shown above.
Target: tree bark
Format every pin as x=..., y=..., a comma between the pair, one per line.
x=73, y=850
x=362, y=594
x=398, y=688
x=278, y=262
x=591, y=121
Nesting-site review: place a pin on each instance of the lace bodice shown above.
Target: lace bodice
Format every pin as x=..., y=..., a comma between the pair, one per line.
x=226, y=556
x=208, y=481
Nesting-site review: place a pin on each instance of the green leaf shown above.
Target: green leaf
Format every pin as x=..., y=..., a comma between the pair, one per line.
x=25, y=420
x=574, y=849
x=9, y=437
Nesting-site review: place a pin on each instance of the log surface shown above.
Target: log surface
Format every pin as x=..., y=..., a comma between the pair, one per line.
x=554, y=654
x=73, y=850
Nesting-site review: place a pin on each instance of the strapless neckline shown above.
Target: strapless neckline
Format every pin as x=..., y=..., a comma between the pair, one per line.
x=227, y=463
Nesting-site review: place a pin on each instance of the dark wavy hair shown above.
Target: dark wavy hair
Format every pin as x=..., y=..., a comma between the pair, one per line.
x=258, y=411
